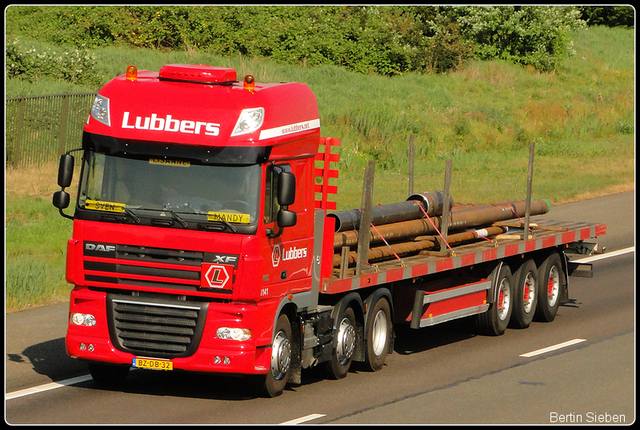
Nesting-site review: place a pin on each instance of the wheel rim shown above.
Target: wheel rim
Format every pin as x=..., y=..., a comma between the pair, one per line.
x=504, y=300
x=553, y=286
x=379, y=332
x=280, y=356
x=529, y=292
x=346, y=341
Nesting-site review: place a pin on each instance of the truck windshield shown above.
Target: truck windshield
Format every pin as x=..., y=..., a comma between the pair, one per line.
x=151, y=187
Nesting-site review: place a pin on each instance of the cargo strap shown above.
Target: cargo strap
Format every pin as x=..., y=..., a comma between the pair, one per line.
x=435, y=228
x=387, y=243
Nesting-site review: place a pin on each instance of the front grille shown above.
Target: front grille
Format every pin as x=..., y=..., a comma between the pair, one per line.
x=155, y=327
x=115, y=265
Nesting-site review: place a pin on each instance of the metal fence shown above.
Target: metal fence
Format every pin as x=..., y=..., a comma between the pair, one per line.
x=40, y=128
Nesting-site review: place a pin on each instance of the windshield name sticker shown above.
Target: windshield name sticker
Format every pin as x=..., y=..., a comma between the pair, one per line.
x=229, y=217
x=97, y=205
x=169, y=162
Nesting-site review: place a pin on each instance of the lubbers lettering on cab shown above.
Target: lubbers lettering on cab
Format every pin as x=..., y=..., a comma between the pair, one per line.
x=168, y=123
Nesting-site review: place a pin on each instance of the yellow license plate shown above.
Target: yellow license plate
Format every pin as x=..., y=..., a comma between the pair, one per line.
x=144, y=363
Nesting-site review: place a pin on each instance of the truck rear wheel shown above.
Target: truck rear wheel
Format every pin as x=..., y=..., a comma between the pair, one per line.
x=551, y=278
x=340, y=362
x=379, y=332
x=278, y=374
x=494, y=321
x=525, y=294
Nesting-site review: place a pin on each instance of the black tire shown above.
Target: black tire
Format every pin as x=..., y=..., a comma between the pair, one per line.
x=379, y=331
x=108, y=374
x=525, y=290
x=345, y=342
x=279, y=371
x=494, y=321
x=552, y=280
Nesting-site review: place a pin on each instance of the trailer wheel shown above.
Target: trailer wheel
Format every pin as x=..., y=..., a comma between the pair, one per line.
x=379, y=332
x=551, y=278
x=495, y=320
x=340, y=362
x=525, y=294
x=278, y=374
x=108, y=374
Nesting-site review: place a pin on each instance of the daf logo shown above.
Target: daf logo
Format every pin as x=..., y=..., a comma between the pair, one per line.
x=99, y=247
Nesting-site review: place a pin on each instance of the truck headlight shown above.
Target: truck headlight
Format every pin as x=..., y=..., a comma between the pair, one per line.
x=100, y=110
x=77, y=318
x=240, y=334
x=249, y=121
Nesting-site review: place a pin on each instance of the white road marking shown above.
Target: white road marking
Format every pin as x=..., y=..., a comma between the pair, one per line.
x=605, y=255
x=303, y=419
x=552, y=348
x=46, y=387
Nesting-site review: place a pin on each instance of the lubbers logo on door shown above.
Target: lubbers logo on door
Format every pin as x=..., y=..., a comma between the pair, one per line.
x=292, y=253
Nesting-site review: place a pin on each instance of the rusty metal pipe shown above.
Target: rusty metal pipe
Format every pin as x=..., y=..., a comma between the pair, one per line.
x=404, y=248
x=464, y=218
x=430, y=202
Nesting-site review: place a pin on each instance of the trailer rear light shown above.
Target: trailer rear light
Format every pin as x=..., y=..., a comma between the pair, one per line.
x=228, y=333
x=100, y=110
x=249, y=121
x=76, y=318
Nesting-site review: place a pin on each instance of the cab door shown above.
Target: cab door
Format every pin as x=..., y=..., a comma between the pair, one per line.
x=288, y=255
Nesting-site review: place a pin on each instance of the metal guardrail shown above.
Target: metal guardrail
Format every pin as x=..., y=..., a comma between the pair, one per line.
x=40, y=128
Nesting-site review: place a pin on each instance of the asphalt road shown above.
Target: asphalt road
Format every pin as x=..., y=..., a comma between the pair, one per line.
x=437, y=375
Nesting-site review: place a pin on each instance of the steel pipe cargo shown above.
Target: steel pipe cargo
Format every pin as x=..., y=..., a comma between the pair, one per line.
x=464, y=218
x=416, y=205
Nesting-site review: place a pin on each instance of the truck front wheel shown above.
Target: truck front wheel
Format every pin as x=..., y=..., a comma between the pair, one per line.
x=278, y=374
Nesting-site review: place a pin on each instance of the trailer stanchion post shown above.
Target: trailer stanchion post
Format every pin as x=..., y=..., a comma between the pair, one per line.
x=444, y=223
x=344, y=262
x=527, y=210
x=412, y=156
x=365, y=220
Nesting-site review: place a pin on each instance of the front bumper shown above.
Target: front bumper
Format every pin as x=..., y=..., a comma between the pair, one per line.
x=211, y=354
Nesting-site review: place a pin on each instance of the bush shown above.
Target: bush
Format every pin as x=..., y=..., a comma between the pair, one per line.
x=385, y=40
x=65, y=64
x=535, y=36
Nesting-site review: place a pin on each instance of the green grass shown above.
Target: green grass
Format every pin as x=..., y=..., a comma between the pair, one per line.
x=36, y=237
x=483, y=118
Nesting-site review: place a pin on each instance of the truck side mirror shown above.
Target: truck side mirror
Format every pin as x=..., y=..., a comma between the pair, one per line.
x=65, y=175
x=286, y=188
x=65, y=170
x=286, y=218
x=286, y=197
x=61, y=199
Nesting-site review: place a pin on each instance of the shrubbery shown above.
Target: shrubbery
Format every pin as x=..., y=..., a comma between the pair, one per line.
x=66, y=64
x=386, y=40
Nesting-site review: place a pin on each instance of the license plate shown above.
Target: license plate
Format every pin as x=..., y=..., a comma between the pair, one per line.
x=144, y=363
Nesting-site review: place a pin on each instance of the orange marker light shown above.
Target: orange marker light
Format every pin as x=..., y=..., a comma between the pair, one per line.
x=132, y=73
x=249, y=83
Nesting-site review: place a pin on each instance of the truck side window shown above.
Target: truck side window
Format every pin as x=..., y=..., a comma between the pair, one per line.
x=271, y=206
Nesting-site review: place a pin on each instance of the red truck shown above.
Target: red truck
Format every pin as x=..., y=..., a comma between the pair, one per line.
x=202, y=241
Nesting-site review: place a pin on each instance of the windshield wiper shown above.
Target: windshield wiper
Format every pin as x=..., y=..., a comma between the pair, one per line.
x=132, y=215
x=177, y=217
